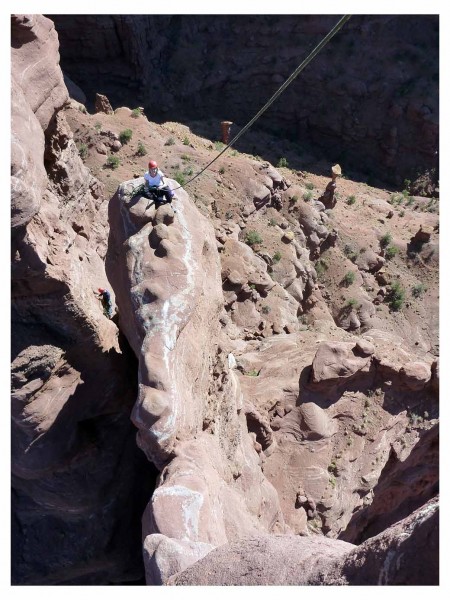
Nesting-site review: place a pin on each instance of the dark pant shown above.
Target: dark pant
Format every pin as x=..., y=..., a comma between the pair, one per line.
x=163, y=194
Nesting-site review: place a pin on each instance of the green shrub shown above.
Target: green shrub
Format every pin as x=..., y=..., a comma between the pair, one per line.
x=410, y=201
x=179, y=177
x=185, y=157
x=98, y=126
x=186, y=141
x=141, y=149
x=391, y=251
x=253, y=238
x=309, y=185
x=222, y=170
x=418, y=289
x=351, y=200
x=396, y=296
x=349, y=278
x=272, y=222
x=282, y=162
x=350, y=253
x=351, y=303
x=253, y=373
x=277, y=257
x=396, y=199
x=401, y=213
x=265, y=309
x=321, y=266
x=170, y=142
x=112, y=162
x=188, y=171
x=136, y=112
x=219, y=146
x=294, y=198
x=125, y=136
x=83, y=151
x=307, y=196
x=385, y=240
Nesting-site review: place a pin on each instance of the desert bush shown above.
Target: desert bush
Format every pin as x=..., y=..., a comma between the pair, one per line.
x=282, y=162
x=396, y=296
x=391, y=251
x=222, y=170
x=307, y=196
x=169, y=142
x=265, y=309
x=321, y=266
x=141, y=149
x=351, y=200
x=309, y=185
x=272, y=222
x=136, y=112
x=186, y=141
x=179, y=177
x=219, y=146
x=252, y=238
x=385, y=240
x=276, y=257
x=98, y=125
x=83, y=151
x=351, y=303
x=418, y=289
x=125, y=136
x=112, y=162
x=349, y=278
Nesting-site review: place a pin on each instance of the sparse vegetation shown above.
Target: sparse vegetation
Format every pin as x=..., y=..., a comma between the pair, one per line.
x=252, y=238
x=136, y=112
x=179, y=177
x=351, y=200
x=282, y=162
x=349, y=278
x=396, y=199
x=222, y=170
x=418, y=290
x=309, y=185
x=351, y=303
x=307, y=196
x=125, y=136
x=253, y=373
x=82, y=109
x=112, y=162
x=98, y=125
x=188, y=171
x=385, y=240
x=219, y=146
x=141, y=149
x=265, y=309
x=396, y=296
x=321, y=266
x=272, y=222
x=170, y=142
x=276, y=257
x=186, y=141
x=391, y=251
x=83, y=151
x=294, y=198
x=350, y=253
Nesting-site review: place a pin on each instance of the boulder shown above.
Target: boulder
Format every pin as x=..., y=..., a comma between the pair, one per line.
x=335, y=361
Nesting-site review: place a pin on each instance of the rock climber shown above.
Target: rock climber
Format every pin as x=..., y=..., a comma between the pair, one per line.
x=105, y=298
x=155, y=184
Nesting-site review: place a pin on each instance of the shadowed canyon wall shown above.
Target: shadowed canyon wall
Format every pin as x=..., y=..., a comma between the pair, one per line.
x=369, y=100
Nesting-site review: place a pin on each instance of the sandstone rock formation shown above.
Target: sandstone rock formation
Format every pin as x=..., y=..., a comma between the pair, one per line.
x=405, y=554
x=288, y=405
x=74, y=459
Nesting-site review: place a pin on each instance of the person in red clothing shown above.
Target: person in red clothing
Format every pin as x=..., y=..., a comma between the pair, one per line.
x=105, y=298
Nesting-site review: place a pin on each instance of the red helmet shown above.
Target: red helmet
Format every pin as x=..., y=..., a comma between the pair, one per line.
x=100, y=290
x=153, y=164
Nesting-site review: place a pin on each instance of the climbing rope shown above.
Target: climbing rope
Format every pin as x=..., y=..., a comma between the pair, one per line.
x=288, y=81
